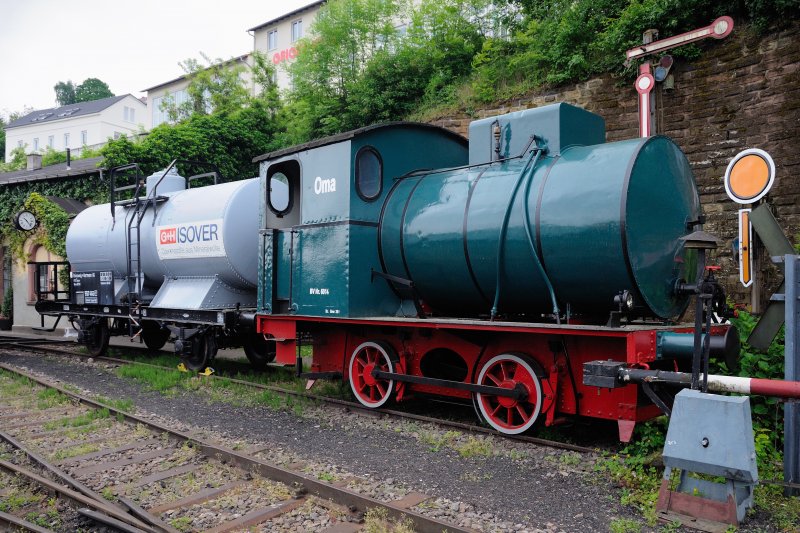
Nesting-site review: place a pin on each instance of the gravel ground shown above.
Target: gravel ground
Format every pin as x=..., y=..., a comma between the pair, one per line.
x=37, y=504
x=512, y=488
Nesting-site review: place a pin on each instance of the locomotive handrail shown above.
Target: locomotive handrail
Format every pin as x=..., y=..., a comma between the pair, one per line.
x=534, y=253
x=425, y=171
x=533, y=158
x=154, y=192
x=112, y=180
x=215, y=174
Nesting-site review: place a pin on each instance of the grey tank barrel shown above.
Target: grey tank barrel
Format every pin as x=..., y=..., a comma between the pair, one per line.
x=208, y=231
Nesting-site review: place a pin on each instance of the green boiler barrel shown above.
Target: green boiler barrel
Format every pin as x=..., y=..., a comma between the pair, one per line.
x=599, y=220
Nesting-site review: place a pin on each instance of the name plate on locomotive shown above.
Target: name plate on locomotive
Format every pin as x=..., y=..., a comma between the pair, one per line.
x=92, y=288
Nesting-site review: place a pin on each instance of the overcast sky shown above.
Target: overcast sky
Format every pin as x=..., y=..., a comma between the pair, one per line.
x=128, y=45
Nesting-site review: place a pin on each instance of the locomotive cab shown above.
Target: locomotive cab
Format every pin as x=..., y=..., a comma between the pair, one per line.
x=317, y=252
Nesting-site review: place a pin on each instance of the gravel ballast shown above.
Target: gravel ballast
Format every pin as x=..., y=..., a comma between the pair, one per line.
x=505, y=486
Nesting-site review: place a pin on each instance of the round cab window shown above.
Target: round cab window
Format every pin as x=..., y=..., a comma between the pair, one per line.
x=369, y=174
x=279, y=192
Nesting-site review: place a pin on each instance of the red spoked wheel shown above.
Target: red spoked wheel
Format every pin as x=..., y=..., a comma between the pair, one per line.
x=371, y=391
x=508, y=415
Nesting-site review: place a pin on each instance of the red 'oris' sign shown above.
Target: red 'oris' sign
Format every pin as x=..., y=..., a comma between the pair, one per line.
x=284, y=55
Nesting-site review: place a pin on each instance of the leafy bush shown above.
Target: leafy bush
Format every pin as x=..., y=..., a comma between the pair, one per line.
x=229, y=140
x=767, y=412
x=570, y=40
x=358, y=69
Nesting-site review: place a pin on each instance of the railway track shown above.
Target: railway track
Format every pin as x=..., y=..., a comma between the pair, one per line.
x=140, y=475
x=46, y=346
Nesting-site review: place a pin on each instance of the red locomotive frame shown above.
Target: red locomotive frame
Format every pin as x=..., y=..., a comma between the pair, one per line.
x=353, y=348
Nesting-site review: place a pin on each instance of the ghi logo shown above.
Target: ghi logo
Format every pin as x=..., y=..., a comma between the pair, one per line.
x=324, y=186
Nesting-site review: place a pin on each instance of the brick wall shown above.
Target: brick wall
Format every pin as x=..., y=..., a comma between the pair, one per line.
x=741, y=92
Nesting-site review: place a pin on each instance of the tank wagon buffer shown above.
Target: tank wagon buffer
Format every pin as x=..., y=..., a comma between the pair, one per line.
x=536, y=248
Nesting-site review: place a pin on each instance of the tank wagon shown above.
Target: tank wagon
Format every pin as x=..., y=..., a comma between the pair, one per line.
x=420, y=264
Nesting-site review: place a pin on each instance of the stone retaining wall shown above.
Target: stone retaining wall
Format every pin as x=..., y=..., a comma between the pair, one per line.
x=741, y=92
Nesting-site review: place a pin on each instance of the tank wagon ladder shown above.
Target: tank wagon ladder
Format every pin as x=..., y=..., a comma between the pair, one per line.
x=134, y=277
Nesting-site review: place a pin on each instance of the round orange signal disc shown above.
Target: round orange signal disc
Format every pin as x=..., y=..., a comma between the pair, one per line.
x=749, y=176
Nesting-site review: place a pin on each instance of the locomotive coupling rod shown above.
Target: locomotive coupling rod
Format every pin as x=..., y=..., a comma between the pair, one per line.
x=762, y=387
x=519, y=392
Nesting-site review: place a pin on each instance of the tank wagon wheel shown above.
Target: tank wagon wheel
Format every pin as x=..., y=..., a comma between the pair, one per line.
x=97, y=337
x=153, y=335
x=258, y=349
x=370, y=391
x=508, y=415
x=204, y=348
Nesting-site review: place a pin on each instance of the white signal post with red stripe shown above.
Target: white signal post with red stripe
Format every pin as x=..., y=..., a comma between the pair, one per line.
x=644, y=86
x=719, y=29
x=758, y=386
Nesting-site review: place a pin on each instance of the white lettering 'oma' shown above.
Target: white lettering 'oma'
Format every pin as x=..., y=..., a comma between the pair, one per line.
x=324, y=186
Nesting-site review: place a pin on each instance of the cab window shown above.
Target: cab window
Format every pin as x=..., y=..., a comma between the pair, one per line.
x=369, y=173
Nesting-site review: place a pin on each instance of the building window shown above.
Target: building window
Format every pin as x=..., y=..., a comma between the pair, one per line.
x=36, y=144
x=51, y=141
x=272, y=40
x=129, y=114
x=297, y=30
x=177, y=100
x=158, y=115
x=84, y=138
x=66, y=140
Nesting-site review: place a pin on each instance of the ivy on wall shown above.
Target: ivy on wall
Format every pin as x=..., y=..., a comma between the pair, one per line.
x=53, y=220
x=51, y=233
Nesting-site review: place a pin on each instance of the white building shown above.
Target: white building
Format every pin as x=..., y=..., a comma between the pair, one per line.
x=175, y=90
x=77, y=125
x=276, y=38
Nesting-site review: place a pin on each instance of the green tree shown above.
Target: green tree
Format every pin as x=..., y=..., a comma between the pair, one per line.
x=92, y=89
x=263, y=72
x=65, y=92
x=228, y=140
x=359, y=69
x=17, y=161
x=219, y=87
x=3, y=137
x=345, y=34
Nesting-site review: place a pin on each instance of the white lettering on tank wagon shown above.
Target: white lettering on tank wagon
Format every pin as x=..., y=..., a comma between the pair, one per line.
x=190, y=240
x=324, y=186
